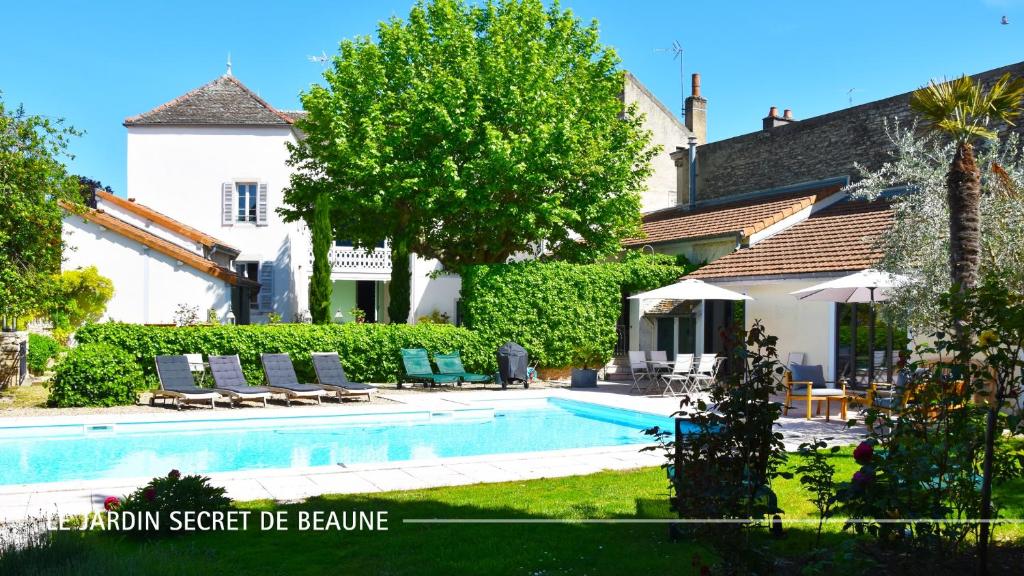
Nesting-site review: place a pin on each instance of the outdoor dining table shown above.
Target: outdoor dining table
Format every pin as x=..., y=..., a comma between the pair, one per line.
x=657, y=367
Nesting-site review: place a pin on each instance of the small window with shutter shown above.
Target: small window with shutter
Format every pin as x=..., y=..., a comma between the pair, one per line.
x=250, y=271
x=246, y=202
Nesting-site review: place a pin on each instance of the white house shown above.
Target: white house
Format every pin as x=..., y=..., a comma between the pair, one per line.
x=214, y=161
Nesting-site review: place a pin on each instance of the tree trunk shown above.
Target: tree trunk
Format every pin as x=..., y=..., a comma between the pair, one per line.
x=963, y=183
x=986, y=487
x=320, y=287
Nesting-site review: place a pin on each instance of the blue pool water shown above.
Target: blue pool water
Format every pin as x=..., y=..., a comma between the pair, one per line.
x=60, y=453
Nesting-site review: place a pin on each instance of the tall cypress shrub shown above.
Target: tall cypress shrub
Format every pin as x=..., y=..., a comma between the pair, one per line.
x=320, y=283
x=399, y=288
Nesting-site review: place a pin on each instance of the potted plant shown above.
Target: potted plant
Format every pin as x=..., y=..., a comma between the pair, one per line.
x=590, y=357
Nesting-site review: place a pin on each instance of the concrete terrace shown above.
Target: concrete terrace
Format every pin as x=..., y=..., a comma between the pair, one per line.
x=77, y=497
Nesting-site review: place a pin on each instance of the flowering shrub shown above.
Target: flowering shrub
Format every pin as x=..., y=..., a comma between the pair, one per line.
x=173, y=493
x=928, y=461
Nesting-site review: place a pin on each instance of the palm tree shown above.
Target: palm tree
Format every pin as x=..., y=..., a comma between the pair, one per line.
x=964, y=111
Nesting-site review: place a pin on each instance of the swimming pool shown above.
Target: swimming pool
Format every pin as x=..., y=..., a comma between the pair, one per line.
x=141, y=449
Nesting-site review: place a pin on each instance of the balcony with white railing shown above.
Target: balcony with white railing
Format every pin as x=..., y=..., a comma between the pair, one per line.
x=349, y=263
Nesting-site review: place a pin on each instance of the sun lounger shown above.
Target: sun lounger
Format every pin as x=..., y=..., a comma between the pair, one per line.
x=280, y=377
x=331, y=376
x=451, y=365
x=417, y=368
x=229, y=380
x=177, y=382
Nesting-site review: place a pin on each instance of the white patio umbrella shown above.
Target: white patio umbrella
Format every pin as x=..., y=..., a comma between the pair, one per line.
x=867, y=286
x=690, y=289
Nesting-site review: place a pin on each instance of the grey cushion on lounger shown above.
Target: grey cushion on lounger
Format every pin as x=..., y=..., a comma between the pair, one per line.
x=330, y=372
x=281, y=374
x=176, y=376
x=227, y=375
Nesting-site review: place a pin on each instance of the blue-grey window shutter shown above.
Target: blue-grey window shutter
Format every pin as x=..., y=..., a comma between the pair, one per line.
x=261, y=205
x=227, y=196
x=266, y=295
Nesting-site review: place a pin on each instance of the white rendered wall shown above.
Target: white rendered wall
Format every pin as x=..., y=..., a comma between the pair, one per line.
x=807, y=327
x=666, y=131
x=148, y=285
x=179, y=171
x=429, y=294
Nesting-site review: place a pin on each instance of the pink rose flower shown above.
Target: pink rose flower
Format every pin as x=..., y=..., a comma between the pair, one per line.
x=863, y=453
x=862, y=478
x=174, y=474
x=150, y=494
x=111, y=503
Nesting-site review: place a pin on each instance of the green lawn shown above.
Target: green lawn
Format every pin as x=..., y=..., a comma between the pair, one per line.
x=418, y=549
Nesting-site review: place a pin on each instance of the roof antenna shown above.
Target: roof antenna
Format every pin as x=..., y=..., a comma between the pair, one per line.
x=228, y=73
x=677, y=54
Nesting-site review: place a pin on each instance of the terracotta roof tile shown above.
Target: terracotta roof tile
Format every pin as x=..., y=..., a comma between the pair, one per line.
x=222, y=102
x=163, y=220
x=840, y=238
x=741, y=218
x=157, y=243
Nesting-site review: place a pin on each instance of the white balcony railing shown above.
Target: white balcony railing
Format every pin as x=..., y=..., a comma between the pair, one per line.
x=358, y=264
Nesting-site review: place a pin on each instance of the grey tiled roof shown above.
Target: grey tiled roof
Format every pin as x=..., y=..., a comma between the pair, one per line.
x=294, y=114
x=223, y=102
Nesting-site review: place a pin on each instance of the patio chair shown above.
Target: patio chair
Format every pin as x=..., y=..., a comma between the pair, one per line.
x=197, y=366
x=229, y=381
x=416, y=366
x=707, y=371
x=177, y=383
x=808, y=383
x=281, y=378
x=639, y=370
x=682, y=372
x=331, y=376
x=794, y=358
x=451, y=365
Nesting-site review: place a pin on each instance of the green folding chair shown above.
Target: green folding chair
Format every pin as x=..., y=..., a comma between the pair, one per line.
x=416, y=365
x=451, y=365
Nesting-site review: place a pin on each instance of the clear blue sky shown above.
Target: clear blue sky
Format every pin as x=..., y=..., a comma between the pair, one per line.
x=95, y=63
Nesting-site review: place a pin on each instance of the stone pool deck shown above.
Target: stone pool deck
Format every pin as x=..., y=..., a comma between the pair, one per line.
x=77, y=497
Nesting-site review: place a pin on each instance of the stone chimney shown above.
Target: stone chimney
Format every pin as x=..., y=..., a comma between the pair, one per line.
x=696, y=109
x=773, y=119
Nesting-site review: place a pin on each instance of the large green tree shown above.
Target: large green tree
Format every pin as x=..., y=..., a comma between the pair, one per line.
x=468, y=133
x=965, y=111
x=33, y=180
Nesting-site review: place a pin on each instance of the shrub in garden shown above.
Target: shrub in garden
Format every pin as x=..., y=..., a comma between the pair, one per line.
x=723, y=466
x=370, y=352
x=96, y=375
x=40, y=349
x=553, y=308
x=166, y=494
x=928, y=460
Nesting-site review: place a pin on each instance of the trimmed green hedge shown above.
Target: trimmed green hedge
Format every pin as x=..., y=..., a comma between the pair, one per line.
x=96, y=375
x=40, y=349
x=369, y=352
x=555, y=309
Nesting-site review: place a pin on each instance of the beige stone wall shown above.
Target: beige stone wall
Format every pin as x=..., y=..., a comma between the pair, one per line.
x=10, y=358
x=668, y=132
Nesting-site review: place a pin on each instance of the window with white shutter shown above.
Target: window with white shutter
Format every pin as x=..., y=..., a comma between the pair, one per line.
x=261, y=205
x=266, y=295
x=227, y=193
